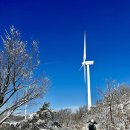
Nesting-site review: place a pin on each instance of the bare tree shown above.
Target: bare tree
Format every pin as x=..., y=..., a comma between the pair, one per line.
x=18, y=62
x=79, y=115
x=113, y=111
x=63, y=116
x=122, y=113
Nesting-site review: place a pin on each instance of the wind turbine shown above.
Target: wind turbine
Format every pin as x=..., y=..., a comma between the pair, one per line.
x=86, y=65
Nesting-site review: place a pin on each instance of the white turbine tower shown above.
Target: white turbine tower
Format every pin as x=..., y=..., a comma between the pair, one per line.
x=86, y=65
x=25, y=109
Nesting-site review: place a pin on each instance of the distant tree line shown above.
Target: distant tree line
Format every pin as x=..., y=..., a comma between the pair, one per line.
x=112, y=112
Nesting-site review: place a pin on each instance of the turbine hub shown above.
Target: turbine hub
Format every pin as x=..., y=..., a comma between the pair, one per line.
x=83, y=63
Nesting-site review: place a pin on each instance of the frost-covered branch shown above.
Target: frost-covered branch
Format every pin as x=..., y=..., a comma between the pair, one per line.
x=18, y=63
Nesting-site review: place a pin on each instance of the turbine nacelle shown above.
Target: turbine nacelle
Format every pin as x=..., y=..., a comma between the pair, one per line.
x=87, y=62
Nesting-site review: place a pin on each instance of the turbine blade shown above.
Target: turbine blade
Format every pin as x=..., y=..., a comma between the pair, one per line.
x=85, y=73
x=80, y=67
x=84, y=56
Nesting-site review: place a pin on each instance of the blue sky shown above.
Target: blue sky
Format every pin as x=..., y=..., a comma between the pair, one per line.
x=59, y=25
